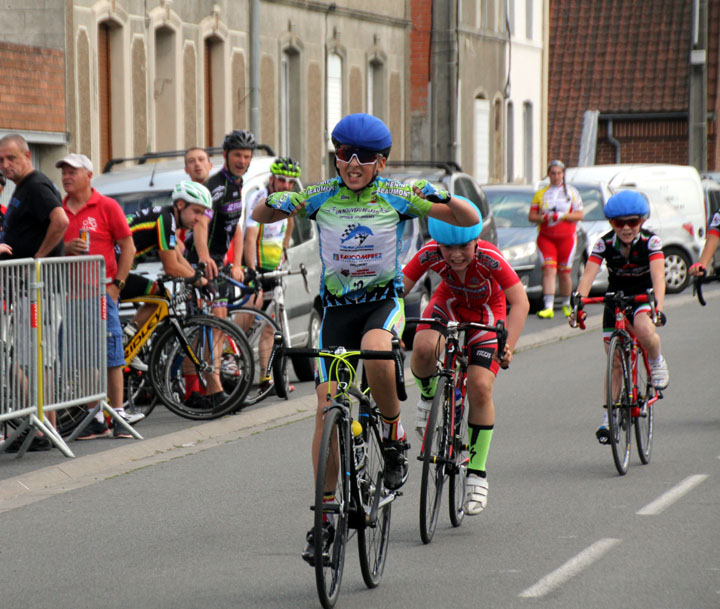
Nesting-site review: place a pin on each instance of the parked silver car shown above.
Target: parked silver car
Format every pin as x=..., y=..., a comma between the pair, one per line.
x=146, y=184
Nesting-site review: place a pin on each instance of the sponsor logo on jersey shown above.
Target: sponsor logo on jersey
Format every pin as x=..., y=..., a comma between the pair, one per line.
x=654, y=244
x=356, y=231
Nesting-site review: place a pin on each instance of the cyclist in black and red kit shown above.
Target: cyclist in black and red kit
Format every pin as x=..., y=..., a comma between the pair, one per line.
x=217, y=229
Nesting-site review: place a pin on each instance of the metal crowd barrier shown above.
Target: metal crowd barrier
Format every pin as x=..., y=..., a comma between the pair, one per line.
x=53, y=351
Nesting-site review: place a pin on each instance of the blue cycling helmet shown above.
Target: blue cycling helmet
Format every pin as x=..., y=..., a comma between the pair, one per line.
x=626, y=203
x=449, y=234
x=364, y=131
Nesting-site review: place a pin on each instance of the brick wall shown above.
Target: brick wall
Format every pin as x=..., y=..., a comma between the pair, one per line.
x=661, y=141
x=32, y=88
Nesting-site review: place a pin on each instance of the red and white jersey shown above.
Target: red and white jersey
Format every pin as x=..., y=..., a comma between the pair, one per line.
x=557, y=201
x=485, y=278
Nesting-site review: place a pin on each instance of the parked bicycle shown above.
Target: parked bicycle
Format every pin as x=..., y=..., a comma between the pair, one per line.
x=444, y=451
x=629, y=394
x=350, y=465
x=260, y=326
x=187, y=342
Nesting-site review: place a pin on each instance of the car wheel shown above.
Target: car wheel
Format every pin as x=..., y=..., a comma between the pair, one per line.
x=304, y=367
x=677, y=263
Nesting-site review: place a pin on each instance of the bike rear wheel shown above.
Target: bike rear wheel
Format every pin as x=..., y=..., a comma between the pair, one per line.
x=645, y=415
x=220, y=347
x=458, y=470
x=434, y=457
x=259, y=328
x=332, y=474
x=618, y=409
x=373, y=533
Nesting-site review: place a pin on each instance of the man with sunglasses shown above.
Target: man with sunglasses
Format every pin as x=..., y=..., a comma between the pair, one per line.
x=360, y=218
x=635, y=263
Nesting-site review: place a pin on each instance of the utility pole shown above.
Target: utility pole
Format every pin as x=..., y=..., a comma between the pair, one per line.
x=443, y=52
x=697, y=110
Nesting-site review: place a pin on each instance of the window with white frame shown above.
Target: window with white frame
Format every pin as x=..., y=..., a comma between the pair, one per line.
x=376, y=89
x=481, y=133
x=528, y=141
x=334, y=91
x=529, y=19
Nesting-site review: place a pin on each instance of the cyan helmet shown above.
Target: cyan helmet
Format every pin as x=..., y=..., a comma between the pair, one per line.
x=626, y=203
x=449, y=234
x=364, y=131
x=193, y=193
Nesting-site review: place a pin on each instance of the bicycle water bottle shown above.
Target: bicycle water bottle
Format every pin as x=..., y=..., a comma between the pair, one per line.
x=358, y=445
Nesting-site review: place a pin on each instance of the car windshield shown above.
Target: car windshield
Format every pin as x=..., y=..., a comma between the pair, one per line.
x=592, y=203
x=133, y=202
x=510, y=208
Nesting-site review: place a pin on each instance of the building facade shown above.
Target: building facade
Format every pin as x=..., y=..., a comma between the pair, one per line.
x=120, y=78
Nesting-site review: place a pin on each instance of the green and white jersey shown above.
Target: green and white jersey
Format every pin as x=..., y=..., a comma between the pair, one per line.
x=269, y=246
x=361, y=237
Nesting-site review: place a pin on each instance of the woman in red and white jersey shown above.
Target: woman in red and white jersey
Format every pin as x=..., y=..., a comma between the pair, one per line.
x=556, y=209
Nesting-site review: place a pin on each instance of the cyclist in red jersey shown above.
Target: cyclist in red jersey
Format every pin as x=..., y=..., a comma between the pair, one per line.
x=476, y=280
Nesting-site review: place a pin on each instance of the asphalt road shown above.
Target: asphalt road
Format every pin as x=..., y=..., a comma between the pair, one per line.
x=214, y=515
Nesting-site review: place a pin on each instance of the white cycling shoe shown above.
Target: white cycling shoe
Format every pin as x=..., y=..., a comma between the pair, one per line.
x=421, y=416
x=659, y=373
x=476, y=495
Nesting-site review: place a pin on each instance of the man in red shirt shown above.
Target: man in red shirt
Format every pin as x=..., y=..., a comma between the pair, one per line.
x=106, y=226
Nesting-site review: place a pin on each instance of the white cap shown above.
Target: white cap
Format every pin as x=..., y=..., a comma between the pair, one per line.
x=76, y=160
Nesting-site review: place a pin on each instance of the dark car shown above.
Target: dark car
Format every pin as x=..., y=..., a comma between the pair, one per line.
x=517, y=237
x=447, y=176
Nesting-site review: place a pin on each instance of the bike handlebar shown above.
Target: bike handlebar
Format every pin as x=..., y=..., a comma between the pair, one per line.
x=499, y=329
x=617, y=299
x=280, y=352
x=698, y=283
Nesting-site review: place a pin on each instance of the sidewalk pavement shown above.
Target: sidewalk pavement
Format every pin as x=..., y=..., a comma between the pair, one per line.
x=68, y=474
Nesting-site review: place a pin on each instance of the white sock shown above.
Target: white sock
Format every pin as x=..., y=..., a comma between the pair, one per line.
x=566, y=301
x=549, y=300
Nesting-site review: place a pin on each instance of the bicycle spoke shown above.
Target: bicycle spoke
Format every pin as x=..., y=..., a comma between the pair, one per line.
x=618, y=409
x=373, y=539
x=435, y=455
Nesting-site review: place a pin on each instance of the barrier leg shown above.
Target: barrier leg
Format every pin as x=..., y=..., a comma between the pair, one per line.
x=118, y=420
x=51, y=434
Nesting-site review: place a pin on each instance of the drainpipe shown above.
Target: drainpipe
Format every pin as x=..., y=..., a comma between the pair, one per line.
x=613, y=141
x=254, y=69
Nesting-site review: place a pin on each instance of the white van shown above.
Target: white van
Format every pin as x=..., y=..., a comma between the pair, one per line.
x=679, y=185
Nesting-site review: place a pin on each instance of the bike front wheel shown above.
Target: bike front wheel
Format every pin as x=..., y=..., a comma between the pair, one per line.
x=375, y=503
x=435, y=459
x=219, y=354
x=645, y=413
x=618, y=409
x=458, y=469
x=332, y=505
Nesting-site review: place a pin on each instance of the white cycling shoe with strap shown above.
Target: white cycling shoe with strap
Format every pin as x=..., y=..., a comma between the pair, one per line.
x=476, y=495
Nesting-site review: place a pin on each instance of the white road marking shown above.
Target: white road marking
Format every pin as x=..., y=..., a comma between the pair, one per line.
x=668, y=498
x=570, y=569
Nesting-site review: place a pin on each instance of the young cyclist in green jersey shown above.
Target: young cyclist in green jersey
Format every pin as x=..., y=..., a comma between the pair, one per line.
x=360, y=218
